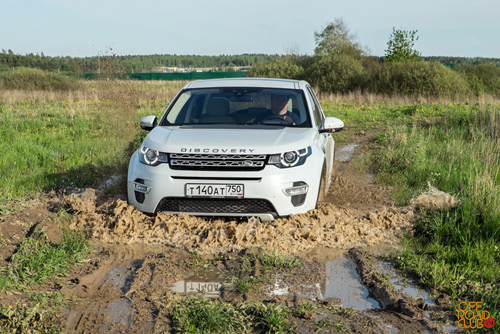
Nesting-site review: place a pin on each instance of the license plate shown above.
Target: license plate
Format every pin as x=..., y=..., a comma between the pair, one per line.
x=214, y=190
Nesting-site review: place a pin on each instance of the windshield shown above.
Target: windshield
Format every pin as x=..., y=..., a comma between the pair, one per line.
x=245, y=106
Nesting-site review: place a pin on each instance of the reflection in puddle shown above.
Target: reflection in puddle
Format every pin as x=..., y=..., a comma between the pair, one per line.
x=208, y=283
x=344, y=283
x=122, y=275
x=403, y=285
x=280, y=288
x=119, y=313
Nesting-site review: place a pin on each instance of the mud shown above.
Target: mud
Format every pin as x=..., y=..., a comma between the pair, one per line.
x=142, y=266
x=357, y=212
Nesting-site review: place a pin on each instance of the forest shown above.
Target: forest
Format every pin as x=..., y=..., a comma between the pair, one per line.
x=151, y=63
x=129, y=64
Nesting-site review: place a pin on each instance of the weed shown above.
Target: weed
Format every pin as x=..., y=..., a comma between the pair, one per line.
x=35, y=318
x=35, y=79
x=330, y=326
x=196, y=315
x=243, y=284
x=343, y=311
x=200, y=262
x=64, y=215
x=277, y=261
x=270, y=318
x=302, y=309
x=70, y=140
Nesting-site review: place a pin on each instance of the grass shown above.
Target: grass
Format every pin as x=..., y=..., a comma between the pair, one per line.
x=244, y=283
x=456, y=148
x=277, y=261
x=77, y=139
x=35, y=318
x=38, y=260
x=197, y=315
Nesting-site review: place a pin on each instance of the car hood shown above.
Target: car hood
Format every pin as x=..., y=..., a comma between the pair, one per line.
x=231, y=140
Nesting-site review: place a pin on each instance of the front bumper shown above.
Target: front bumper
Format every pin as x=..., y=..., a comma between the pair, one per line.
x=269, y=193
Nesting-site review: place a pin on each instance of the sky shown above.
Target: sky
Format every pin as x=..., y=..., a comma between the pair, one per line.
x=86, y=28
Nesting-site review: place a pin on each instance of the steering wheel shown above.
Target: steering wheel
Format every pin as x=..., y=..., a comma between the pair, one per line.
x=276, y=118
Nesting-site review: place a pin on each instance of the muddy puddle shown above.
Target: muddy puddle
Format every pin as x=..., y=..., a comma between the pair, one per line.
x=341, y=286
x=132, y=293
x=403, y=284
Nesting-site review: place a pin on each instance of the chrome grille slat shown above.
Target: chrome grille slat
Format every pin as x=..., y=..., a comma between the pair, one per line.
x=217, y=156
x=217, y=161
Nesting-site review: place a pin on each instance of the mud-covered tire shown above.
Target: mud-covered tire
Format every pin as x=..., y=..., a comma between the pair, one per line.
x=323, y=190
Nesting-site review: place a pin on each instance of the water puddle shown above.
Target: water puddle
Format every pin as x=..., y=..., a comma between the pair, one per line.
x=344, y=283
x=122, y=275
x=119, y=311
x=342, y=286
x=208, y=283
x=345, y=153
x=402, y=284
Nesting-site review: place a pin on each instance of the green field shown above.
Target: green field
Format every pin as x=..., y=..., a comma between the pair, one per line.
x=78, y=139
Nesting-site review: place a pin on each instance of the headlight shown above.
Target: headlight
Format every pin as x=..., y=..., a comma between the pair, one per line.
x=152, y=157
x=290, y=159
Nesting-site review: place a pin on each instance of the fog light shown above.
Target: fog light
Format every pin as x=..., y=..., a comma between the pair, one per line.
x=141, y=188
x=296, y=190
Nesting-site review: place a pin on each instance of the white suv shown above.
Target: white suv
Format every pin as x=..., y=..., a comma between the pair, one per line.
x=235, y=147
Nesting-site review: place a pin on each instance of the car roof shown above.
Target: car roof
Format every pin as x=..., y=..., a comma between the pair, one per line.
x=248, y=82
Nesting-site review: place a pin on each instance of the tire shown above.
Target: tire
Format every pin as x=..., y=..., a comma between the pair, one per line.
x=323, y=190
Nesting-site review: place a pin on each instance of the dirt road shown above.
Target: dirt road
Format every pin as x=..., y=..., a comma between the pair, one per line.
x=143, y=265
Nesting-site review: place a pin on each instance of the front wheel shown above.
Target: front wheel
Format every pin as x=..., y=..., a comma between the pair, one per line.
x=323, y=190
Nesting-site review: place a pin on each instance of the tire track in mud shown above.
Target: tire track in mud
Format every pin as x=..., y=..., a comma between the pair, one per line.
x=117, y=290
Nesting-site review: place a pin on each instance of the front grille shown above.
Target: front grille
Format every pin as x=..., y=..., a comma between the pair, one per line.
x=215, y=205
x=219, y=162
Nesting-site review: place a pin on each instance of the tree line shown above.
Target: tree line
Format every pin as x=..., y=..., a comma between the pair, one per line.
x=128, y=64
x=150, y=63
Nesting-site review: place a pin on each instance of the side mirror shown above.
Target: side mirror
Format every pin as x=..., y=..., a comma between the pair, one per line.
x=332, y=124
x=148, y=123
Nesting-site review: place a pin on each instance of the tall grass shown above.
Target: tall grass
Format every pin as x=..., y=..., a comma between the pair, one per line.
x=457, y=150
x=71, y=139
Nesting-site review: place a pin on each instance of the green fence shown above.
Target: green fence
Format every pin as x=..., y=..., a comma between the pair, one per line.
x=173, y=76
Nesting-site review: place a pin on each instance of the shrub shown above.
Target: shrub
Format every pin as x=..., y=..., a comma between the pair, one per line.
x=35, y=79
x=418, y=78
x=289, y=67
x=337, y=73
x=483, y=78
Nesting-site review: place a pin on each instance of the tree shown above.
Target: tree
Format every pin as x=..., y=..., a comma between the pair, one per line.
x=336, y=38
x=338, y=60
x=400, y=46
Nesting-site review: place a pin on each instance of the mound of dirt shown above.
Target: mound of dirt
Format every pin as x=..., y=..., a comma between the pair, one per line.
x=434, y=199
x=328, y=226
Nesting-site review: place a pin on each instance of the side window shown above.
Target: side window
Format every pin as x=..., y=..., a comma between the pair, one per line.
x=316, y=109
